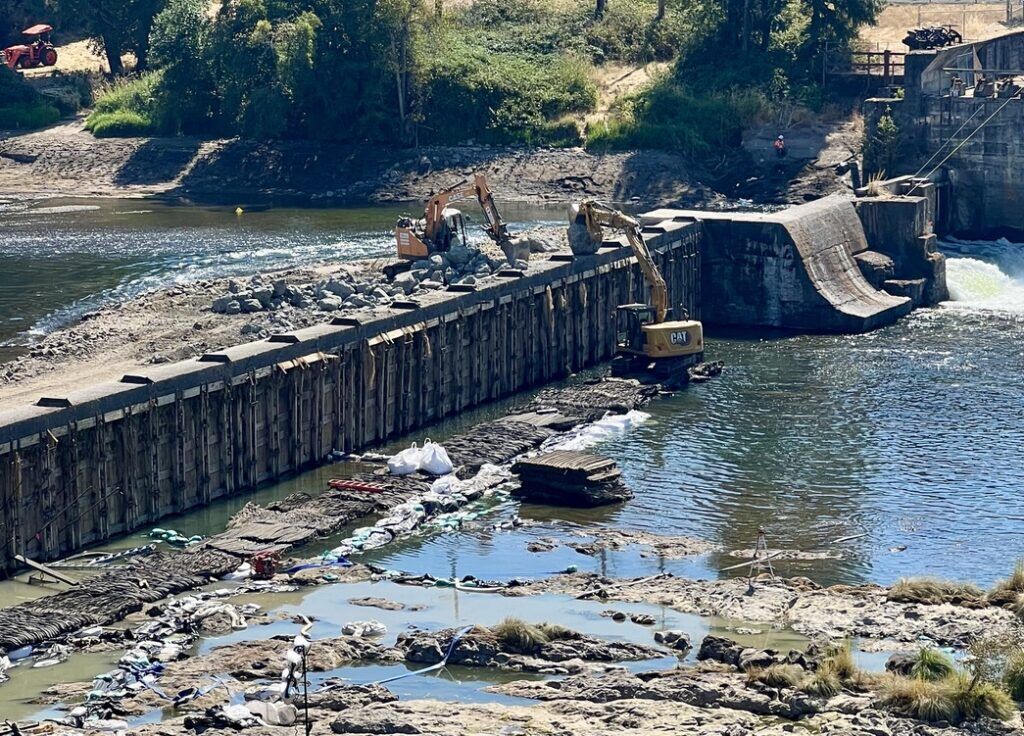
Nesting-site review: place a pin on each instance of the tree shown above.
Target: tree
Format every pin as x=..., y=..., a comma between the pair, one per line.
x=882, y=147
x=115, y=27
x=17, y=16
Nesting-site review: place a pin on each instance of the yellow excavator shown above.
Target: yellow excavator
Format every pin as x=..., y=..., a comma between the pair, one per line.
x=648, y=342
x=443, y=226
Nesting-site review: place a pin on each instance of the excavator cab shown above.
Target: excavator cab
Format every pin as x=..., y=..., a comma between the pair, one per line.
x=631, y=319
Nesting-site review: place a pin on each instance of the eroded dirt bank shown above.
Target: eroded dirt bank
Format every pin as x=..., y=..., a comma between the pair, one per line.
x=66, y=160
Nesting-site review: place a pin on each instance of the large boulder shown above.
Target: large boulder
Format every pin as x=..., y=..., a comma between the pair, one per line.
x=720, y=649
x=342, y=289
x=330, y=304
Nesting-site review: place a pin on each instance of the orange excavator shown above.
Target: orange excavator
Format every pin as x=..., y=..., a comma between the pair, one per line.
x=442, y=226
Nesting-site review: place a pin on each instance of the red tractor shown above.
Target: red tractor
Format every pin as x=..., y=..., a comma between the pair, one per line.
x=38, y=52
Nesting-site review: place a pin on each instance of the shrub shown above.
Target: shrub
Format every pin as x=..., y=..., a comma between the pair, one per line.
x=503, y=97
x=520, y=636
x=1013, y=675
x=932, y=665
x=933, y=592
x=29, y=116
x=778, y=675
x=135, y=94
x=974, y=699
x=667, y=116
x=822, y=684
x=839, y=662
x=129, y=107
x=120, y=124
x=1007, y=592
x=957, y=698
x=915, y=698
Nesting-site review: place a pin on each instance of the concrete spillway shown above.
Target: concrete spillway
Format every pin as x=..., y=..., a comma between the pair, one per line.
x=793, y=269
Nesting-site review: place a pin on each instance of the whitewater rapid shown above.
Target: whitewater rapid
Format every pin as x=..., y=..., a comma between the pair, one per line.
x=993, y=282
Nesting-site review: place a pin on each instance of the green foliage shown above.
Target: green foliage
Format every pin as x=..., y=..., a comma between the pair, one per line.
x=670, y=117
x=933, y=592
x=115, y=27
x=1013, y=675
x=14, y=90
x=628, y=30
x=21, y=106
x=119, y=124
x=17, y=16
x=28, y=116
x=501, y=97
x=931, y=664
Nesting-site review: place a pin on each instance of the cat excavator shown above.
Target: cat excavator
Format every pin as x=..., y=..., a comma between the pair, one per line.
x=648, y=342
x=442, y=225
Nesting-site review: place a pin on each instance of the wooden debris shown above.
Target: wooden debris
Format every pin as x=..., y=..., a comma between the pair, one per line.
x=569, y=478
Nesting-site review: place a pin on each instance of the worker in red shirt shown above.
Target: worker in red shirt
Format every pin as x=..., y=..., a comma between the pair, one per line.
x=780, y=146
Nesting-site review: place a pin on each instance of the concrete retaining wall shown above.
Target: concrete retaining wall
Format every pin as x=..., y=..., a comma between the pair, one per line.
x=77, y=469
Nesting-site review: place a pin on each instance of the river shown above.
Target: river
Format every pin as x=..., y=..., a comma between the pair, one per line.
x=909, y=436
x=891, y=454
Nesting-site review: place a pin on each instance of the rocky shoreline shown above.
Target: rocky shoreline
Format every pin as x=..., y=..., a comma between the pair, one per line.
x=730, y=690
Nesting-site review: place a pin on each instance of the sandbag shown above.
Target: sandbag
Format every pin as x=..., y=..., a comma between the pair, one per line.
x=405, y=462
x=434, y=459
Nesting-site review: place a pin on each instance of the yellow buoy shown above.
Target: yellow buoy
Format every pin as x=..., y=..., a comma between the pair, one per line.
x=238, y=210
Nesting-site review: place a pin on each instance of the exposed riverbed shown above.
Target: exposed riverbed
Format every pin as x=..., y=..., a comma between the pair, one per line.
x=890, y=454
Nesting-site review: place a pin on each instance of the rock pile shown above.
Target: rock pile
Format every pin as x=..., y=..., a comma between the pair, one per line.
x=351, y=290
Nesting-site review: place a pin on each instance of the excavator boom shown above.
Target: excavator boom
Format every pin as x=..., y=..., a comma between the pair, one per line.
x=598, y=215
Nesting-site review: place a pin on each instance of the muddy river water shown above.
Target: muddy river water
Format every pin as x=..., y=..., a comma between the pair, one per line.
x=896, y=453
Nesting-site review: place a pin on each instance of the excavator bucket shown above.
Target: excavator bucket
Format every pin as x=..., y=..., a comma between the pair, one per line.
x=581, y=243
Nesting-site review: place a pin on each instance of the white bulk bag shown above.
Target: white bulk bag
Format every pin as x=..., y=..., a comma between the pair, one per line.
x=405, y=462
x=434, y=459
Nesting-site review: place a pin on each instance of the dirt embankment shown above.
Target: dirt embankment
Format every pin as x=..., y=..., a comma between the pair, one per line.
x=66, y=160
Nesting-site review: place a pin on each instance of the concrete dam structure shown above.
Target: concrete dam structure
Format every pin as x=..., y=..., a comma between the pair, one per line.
x=79, y=468
x=812, y=267
x=972, y=128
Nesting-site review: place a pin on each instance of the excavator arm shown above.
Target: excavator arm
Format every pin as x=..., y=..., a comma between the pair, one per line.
x=596, y=216
x=433, y=214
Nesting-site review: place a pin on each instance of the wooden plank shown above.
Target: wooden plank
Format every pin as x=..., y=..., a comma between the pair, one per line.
x=44, y=569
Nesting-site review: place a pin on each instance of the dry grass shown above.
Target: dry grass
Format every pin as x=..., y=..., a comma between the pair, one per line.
x=975, y=21
x=1013, y=675
x=956, y=698
x=778, y=675
x=1007, y=592
x=822, y=684
x=934, y=592
x=839, y=662
x=524, y=637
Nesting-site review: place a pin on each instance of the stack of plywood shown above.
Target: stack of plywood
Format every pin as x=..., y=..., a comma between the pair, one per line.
x=569, y=478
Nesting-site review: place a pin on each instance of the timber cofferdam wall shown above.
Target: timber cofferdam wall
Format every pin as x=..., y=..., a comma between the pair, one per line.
x=79, y=468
